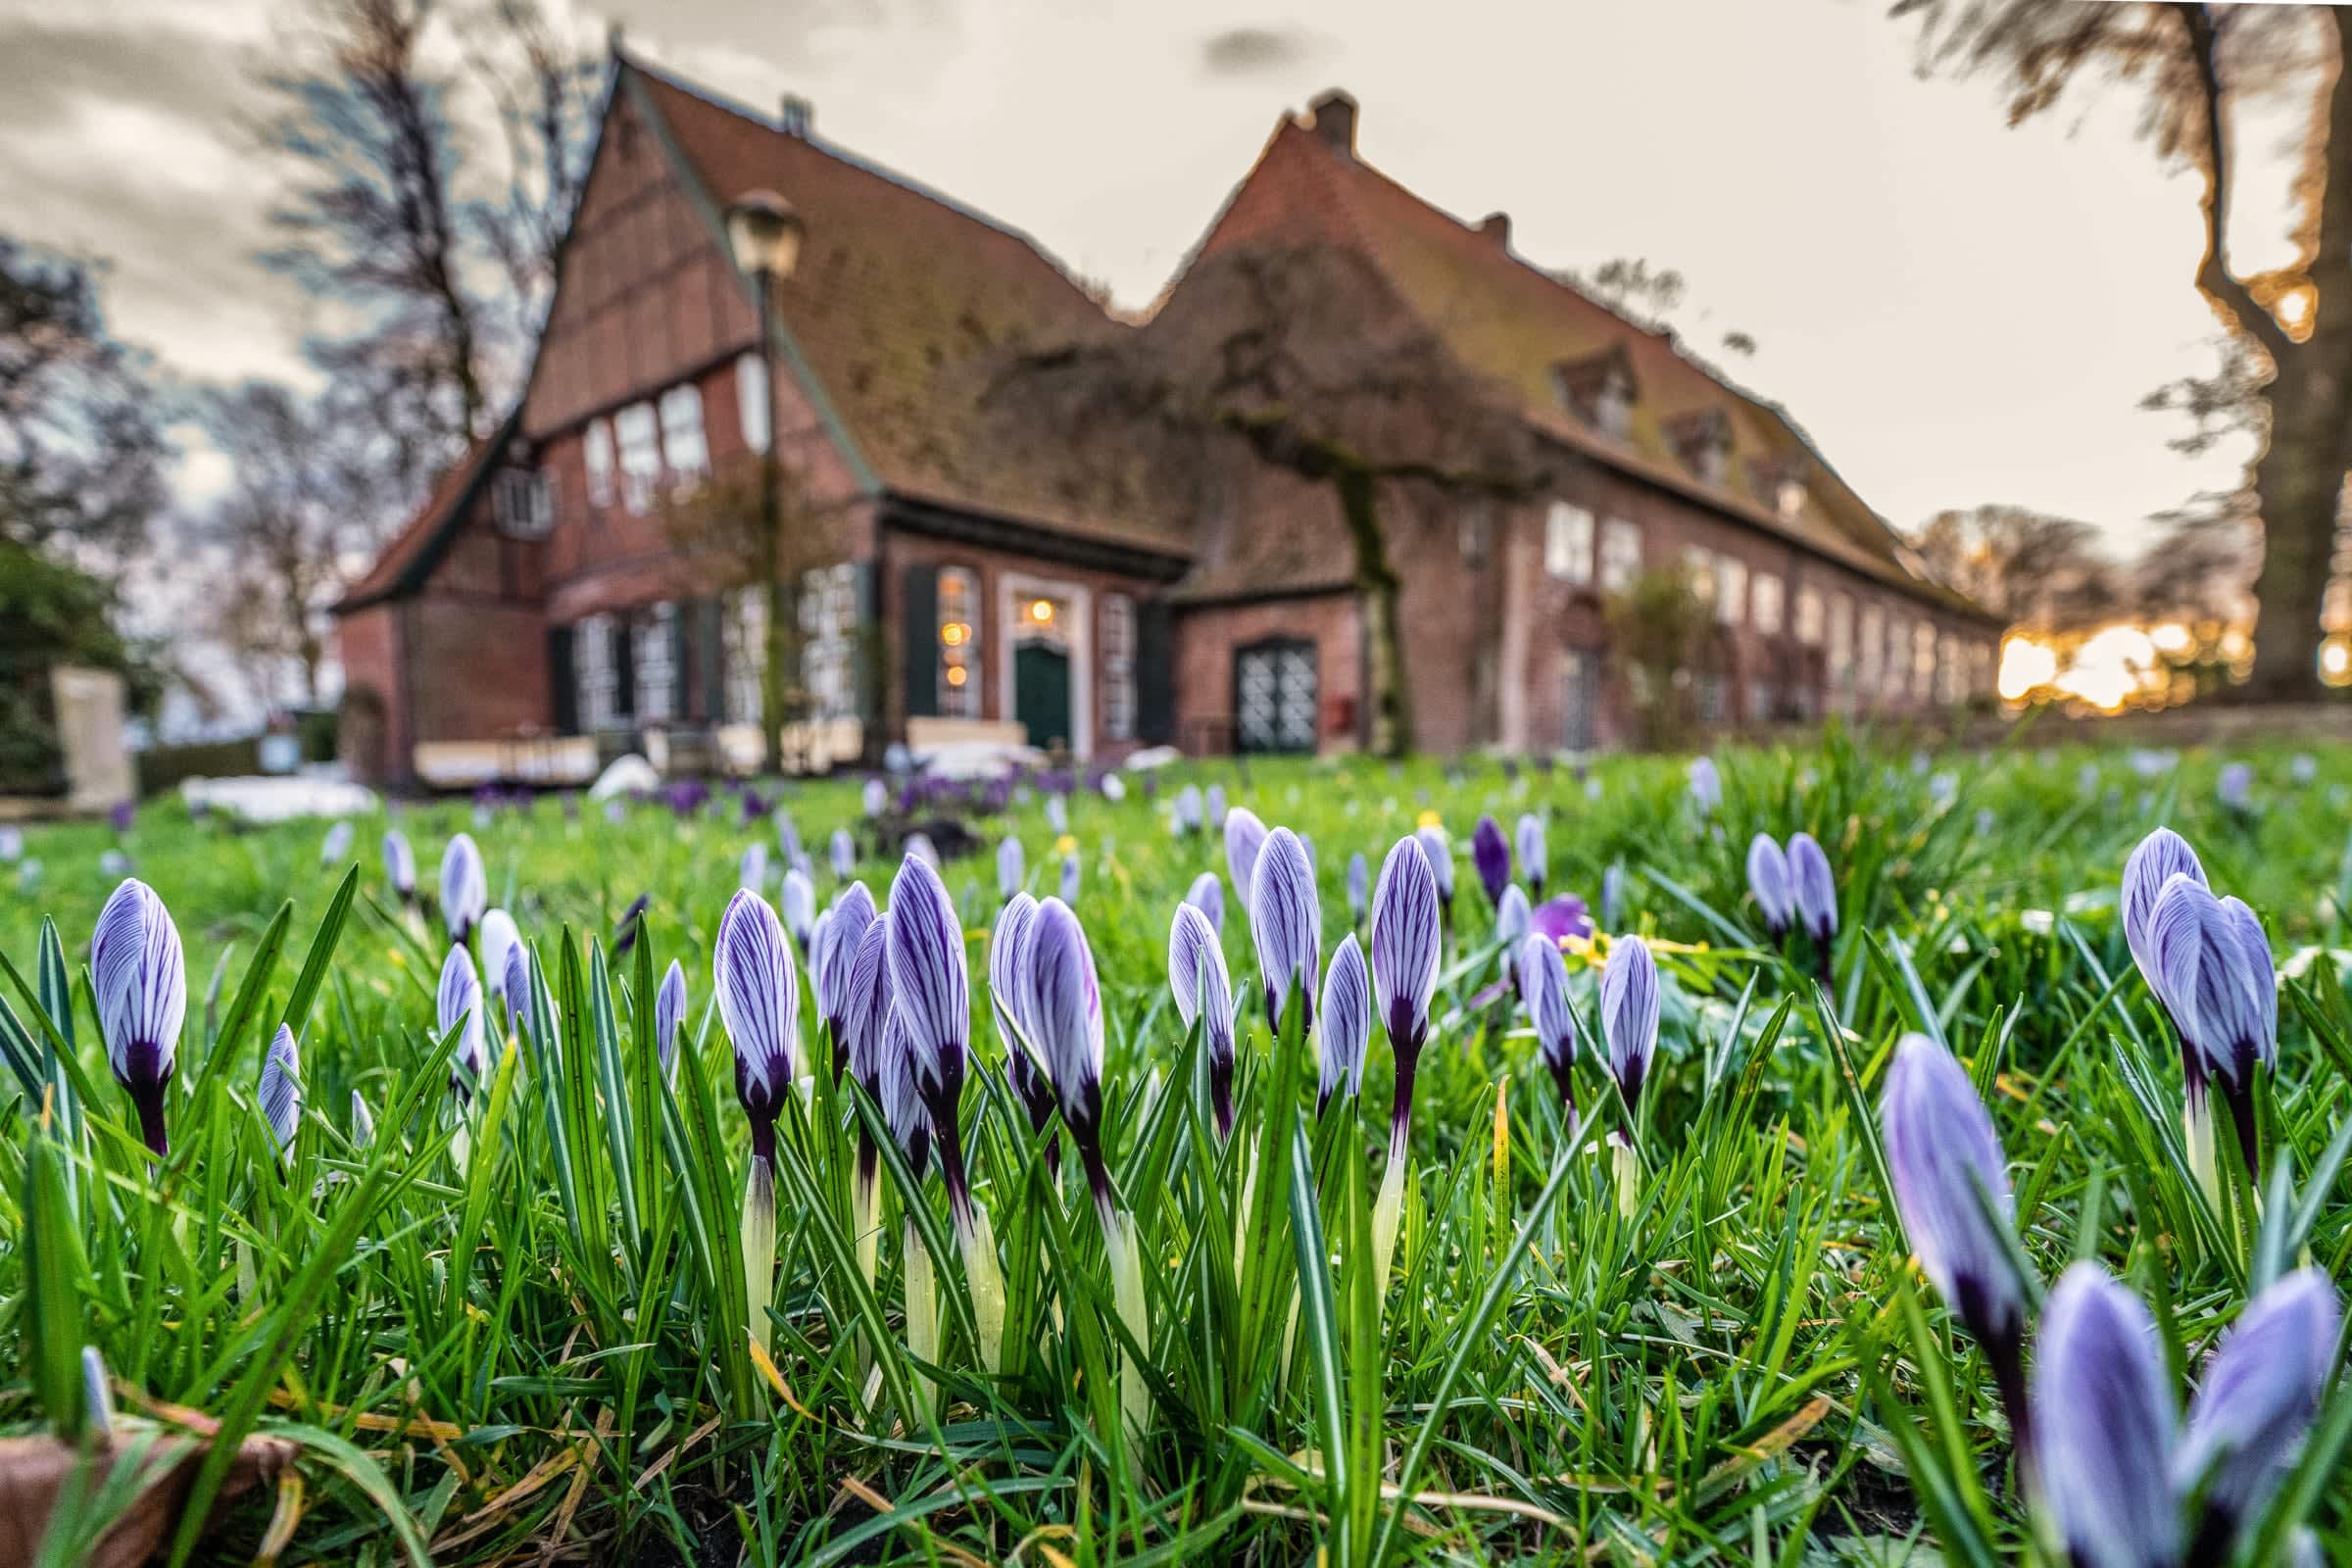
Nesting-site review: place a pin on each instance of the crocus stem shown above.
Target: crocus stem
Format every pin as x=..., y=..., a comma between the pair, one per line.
x=1627, y=1167
x=760, y=1250
x=1386, y=1211
x=977, y=1241
x=866, y=1194
x=2241, y=1095
x=2197, y=1125
x=1127, y=1291
x=1241, y=1215
x=922, y=1315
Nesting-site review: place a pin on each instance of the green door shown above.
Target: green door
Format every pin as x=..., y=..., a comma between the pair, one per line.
x=1041, y=693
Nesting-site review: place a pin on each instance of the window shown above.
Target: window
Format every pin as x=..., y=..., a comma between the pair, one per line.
x=829, y=640
x=1274, y=696
x=1789, y=499
x=1923, y=660
x=1897, y=667
x=598, y=681
x=1118, y=666
x=959, y=643
x=640, y=456
x=745, y=636
x=1710, y=460
x=1765, y=606
x=1951, y=666
x=752, y=404
x=1808, y=616
x=1568, y=543
x=684, y=446
x=597, y=452
x=1760, y=702
x=1620, y=554
x=1713, y=697
x=1580, y=700
x=1613, y=408
x=1731, y=590
x=1842, y=641
x=1872, y=650
x=1699, y=566
x=657, y=650
x=523, y=503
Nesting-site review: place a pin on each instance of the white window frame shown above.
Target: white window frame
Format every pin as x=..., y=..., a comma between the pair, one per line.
x=1923, y=659
x=1118, y=666
x=1731, y=589
x=829, y=640
x=1699, y=564
x=1768, y=597
x=595, y=681
x=1896, y=668
x=1568, y=531
x=1870, y=648
x=524, y=502
x=637, y=435
x=596, y=453
x=1620, y=554
x=685, y=445
x=1811, y=615
x=744, y=640
x=654, y=647
x=755, y=408
x=959, y=699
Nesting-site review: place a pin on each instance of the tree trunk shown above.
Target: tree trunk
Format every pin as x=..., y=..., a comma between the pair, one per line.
x=2298, y=486
x=1390, y=698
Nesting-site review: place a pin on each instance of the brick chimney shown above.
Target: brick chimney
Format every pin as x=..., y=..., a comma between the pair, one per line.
x=1335, y=120
x=798, y=117
x=1497, y=226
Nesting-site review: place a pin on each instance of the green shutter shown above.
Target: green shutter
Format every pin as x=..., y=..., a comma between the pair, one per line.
x=918, y=625
x=868, y=658
x=1155, y=672
x=710, y=654
x=625, y=665
x=563, y=681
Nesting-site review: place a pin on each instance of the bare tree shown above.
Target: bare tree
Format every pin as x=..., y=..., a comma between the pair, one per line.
x=2041, y=572
x=2196, y=70
x=1295, y=359
x=546, y=88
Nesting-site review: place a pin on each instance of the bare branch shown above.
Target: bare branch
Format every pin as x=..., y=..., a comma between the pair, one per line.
x=2229, y=296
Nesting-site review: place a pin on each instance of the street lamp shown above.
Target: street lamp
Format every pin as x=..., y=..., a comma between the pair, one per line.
x=764, y=233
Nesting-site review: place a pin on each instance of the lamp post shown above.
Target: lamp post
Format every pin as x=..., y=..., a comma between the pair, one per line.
x=765, y=233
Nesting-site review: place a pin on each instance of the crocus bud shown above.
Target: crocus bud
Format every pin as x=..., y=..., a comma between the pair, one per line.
x=1490, y=853
x=1533, y=861
x=2159, y=858
x=930, y=992
x=1070, y=877
x=1058, y=814
x=1438, y=850
x=1767, y=881
x=843, y=927
x=464, y=887
x=1216, y=805
x=1360, y=885
x=876, y=797
x=1612, y=894
x=760, y=1000
x=865, y=1010
x=2104, y=1426
x=898, y=1089
x=459, y=1002
x=1202, y=988
x=1513, y=919
x=141, y=981
x=1285, y=921
x=1543, y=988
x=1207, y=894
x=630, y=925
x=2212, y=973
x=1706, y=785
x=669, y=1016
x=336, y=845
x=280, y=1092
x=2235, y=787
x=843, y=851
x=514, y=985
x=799, y=906
x=1940, y=1149
x=1346, y=1024
x=400, y=864
x=1013, y=868
x=752, y=869
x=1064, y=1007
x=2257, y=1398
x=499, y=934
x=1404, y=944
x=1813, y=888
x=1628, y=1014
x=1245, y=839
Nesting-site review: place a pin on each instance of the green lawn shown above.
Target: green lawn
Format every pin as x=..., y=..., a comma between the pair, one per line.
x=485, y=1333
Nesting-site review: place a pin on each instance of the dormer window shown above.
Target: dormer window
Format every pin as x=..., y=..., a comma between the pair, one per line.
x=1598, y=390
x=1703, y=440
x=523, y=503
x=1779, y=483
x=1790, y=498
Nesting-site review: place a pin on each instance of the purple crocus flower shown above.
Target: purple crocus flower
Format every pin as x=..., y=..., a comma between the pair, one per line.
x=1706, y=785
x=1062, y=1005
x=1285, y=921
x=1490, y=853
x=1215, y=800
x=464, y=887
x=1346, y=1027
x=2213, y=975
x=1406, y=938
x=336, y=845
x=2235, y=788
x=2260, y=1392
x=1543, y=988
x=669, y=1016
x=280, y=1092
x=457, y=1004
x=630, y=925
x=1071, y=876
x=1533, y=860
x=833, y=957
x=931, y=997
x=120, y=816
x=2157, y=858
x=1013, y=868
x=1197, y=978
x=400, y=865
x=2105, y=1425
x=1951, y=1188
x=752, y=869
x=1813, y=891
x=1770, y=882
x=1244, y=841
x=1057, y=813
x=1207, y=894
x=876, y=797
x=1513, y=918
x=1360, y=885
x=1438, y=853
x=1612, y=894
x=1025, y=1066
x=843, y=852
x=899, y=1085
x=760, y=1000
x=1629, y=1015
x=141, y=982
x=1560, y=919
x=800, y=908
x=514, y=986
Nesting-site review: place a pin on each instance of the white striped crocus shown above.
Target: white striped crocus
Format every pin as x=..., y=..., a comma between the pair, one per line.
x=1286, y=922
x=1204, y=993
x=1346, y=1028
x=1951, y=1190
x=833, y=957
x=457, y=1004
x=1629, y=1027
x=842, y=851
x=1025, y=1067
x=499, y=934
x=1612, y=894
x=464, y=887
x=1770, y=884
x=1244, y=841
x=865, y=1016
x=669, y=1016
x=1063, y=1011
x=1213, y=803
x=1359, y=887
x=516, y=987
x=799, y=909
x=337, y=843
x=142, y=984
x=1207, y=894
x=1514, y=918
x=1057, y=813
x=751, y=871
x=2258, y=1396
x=2153, y=863
x=1490, y=857
x=2105, y=1427
x=1535, y=860
x=281, y=1090
x=1013, y=867
x=400, y=866
x=1543, y=990
x=759, y=994
x=1405, y=938
x=1814, y=888
x=1706, y=785
x=930, y=988
x=1437, y=850
x=2212, y=971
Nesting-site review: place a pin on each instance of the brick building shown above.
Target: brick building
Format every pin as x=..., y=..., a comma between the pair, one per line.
x=976, y=584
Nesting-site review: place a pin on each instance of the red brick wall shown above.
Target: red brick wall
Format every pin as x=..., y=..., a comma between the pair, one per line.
x=375, y=700
x=1208, y=637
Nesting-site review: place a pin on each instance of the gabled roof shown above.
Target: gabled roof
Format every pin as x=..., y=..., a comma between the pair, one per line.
x=899, y=292
x=408, y=559
x=1501, y=316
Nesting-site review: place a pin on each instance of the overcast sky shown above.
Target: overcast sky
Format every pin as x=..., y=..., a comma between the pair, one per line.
x=1957, y=312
